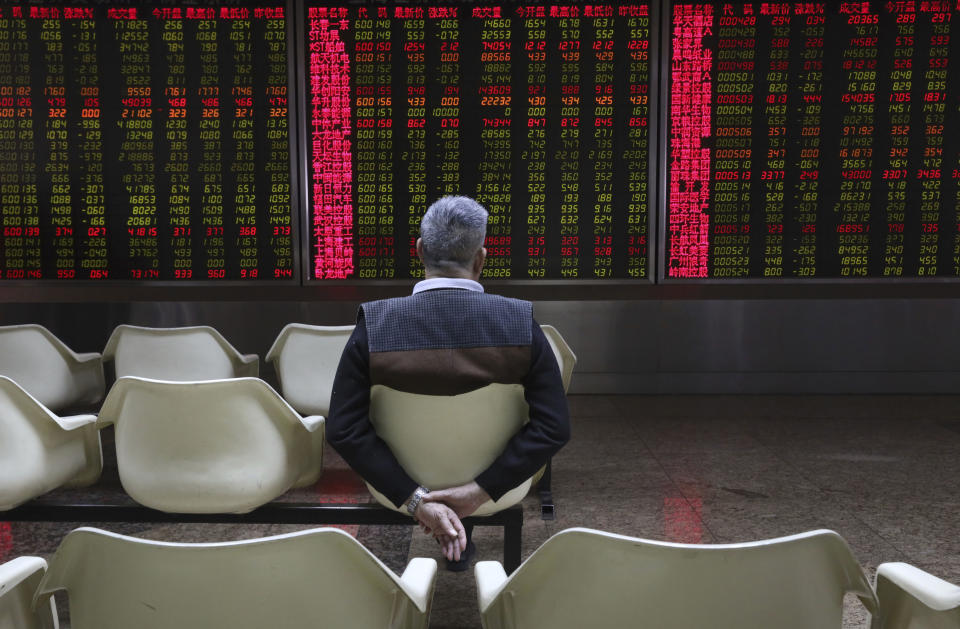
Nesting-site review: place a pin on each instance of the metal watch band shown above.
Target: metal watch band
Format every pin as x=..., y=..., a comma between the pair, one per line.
x=418, y=495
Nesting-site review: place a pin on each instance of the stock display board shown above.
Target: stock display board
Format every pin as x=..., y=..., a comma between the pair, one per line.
x=539, y=111
x=145, y=141
x=813, y=140
x=151, y=140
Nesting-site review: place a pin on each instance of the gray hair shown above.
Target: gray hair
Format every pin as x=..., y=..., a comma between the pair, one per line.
x=451, y=232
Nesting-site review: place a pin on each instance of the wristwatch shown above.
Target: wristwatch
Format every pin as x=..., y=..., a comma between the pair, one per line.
x=415, y=499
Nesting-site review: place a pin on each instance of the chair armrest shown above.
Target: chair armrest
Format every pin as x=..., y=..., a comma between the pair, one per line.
x=909, y=582
x=24, y=574
x=313, y=422
x=491, y=578
x=17, y=570
x=248, y=366
x=72, y=422
x=418, y=580
x=87, y=357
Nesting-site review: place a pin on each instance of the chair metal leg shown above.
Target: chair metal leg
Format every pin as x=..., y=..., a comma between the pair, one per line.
x=511, y=546
x=547, y=508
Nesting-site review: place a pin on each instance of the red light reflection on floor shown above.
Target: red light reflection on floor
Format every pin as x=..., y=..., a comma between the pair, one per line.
x=681, y=519
x=342, y=486
x=6, y=540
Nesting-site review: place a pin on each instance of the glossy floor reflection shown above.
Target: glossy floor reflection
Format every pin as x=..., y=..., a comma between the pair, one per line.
x=883, y=471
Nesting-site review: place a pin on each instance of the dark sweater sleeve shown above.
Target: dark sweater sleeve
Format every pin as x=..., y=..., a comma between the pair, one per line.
x=546, y=432
x=348, y=427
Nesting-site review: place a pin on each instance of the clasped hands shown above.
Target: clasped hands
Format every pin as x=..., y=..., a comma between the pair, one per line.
x=440, y=514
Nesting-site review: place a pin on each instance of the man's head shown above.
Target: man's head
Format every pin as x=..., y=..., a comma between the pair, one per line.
x=451, y=238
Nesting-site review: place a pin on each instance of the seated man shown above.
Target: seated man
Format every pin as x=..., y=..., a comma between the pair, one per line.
x=484, y=338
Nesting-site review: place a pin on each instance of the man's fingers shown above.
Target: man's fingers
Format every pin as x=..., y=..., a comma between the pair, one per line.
x=447, y=547
x=447, y=524
x=453, y=550
x=457, y=524
x=461, y=534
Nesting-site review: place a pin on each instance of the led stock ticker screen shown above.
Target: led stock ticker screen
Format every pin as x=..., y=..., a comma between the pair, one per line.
x=804, y=140
x=145, y=141
x=813, y=140
x=541, y=112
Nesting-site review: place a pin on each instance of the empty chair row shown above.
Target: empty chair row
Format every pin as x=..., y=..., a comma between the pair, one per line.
x=229, y=446
x=578, y=578
x=215, y=446
x=60, y=378
x=202, y=446
x=305, y=358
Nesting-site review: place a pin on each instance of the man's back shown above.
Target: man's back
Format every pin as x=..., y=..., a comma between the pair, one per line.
x=448, y=341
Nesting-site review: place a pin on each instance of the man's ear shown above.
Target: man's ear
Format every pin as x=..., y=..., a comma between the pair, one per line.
x=478, y=261
x=420, y=248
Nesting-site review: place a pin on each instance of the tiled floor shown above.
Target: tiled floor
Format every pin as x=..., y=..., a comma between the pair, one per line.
x=883, y=471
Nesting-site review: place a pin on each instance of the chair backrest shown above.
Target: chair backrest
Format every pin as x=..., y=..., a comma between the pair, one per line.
x=180, y=354
x=566, y=359
x=40, y=451
x=43, y=365
x=212, y=446
x=447, y=440
x=19, y=579
x=305, y=358
x=316, y=578
x=580, y=576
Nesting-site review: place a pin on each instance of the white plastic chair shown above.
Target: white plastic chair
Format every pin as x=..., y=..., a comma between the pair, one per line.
x=179, y=354
x=40, y=451
x=19, y=579
x=913, y=599
x=447, y=440
x=566, y=359
x=582, y=578
x=53, y=373
x=305, y=358
x=315, y=578
x=215, y=446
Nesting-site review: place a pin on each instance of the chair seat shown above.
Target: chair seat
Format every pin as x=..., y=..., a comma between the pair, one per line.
x=315, y=578
x=580, y=576
x=305, y=358
x=215, y=446
x=447, y=440
x=177, y=354
x=51, y=372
